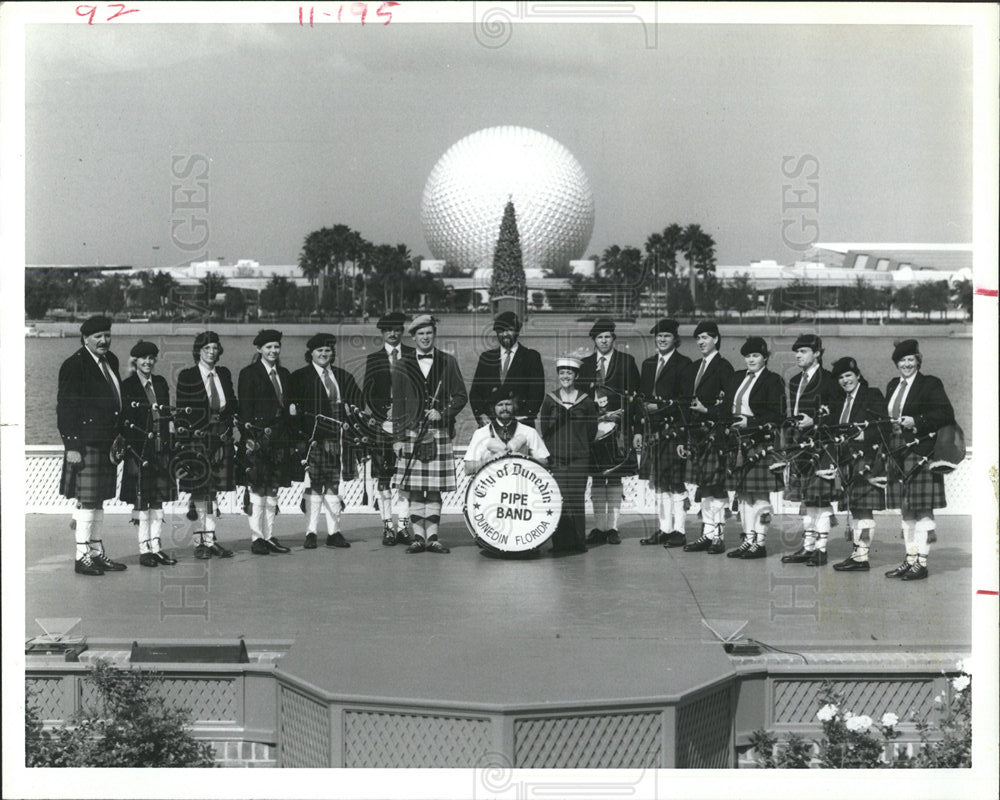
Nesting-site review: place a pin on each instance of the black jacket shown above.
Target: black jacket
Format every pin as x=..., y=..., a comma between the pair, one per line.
x=821, y=390
x=412, y=393
x=136, y=412
x=86, y=407
x=377, y=383
x=713, y=386
x=191, y=393
x=668, y=386
x=622, y=378
x=526, y=374
x=767, y=398
x=928, y=404
x=310, y=398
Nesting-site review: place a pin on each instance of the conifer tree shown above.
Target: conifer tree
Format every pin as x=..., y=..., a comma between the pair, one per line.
x=508, y=268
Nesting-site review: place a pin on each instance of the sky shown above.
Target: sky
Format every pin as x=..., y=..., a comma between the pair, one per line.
x=295, y=128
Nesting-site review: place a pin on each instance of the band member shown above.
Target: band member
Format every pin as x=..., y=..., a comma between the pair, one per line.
x=427, y=394
x=504, y=435
x=613, y=379
x=146, y=480
x=921, y=408
x=204, y=419
x=756, y=398
x=263, y=396
x=378, y=399
x=813, y=394
x=660, y=389
x=857, y=459
x=319, y=392
x=511, y=364
x=88, y=408
x=568, y=420
x=706, y=382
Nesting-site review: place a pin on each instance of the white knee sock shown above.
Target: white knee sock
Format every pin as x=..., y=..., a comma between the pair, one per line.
x=144, y=535
x=757, y=524
x=403, y=509
x=433, y=514
x=155, y=529
x=861, y=547
x=598, y=496
x=84, y=521
x=332, y=505
x=270, y=512
x=663, y=511
x=206, y=534
x=256, y=517
x=614, y=506
x=385, y=505
x=920, y=531
x=677, y=502
x=314, y=502
x=96, y=542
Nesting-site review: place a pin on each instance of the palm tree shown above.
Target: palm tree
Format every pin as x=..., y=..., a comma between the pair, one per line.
x=699, y=251
x=661, y=257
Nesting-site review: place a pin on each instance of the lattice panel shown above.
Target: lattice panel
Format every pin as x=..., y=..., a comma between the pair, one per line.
x=376, y=739
x=47, y=695
x=607, y=741
x=704, y=732
x=303, y=731
x=798, y=701
x=210, y=700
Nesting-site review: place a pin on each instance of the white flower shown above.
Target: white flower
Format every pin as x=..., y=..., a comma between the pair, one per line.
x=965, y=665
x=961, y=683
x=890, y=720
x=827, y=712
x=848, y=714
x=859, y=724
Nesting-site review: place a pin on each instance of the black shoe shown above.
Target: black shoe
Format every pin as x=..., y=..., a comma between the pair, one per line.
x=657, y=538
x=754, y=551
x=698, y=545
x=219, y=551
x=148, y=560
x=259, y=548
x=164, y=559
x=404, y=537
x=917, y=572
x=337, y=540
x=850, y=565
x=86, y=566
x=202, y=551
x=800, y=556
x=716, y=547
x=310, y=543
x=417, y=546
x=434, y=546
x=613, y=537
x=388, y=537
x=595, y=537
x=817, y=558
x=900, y=571
x=275, y=546
x=107, y=564
x=675, y=539
x=739, y=551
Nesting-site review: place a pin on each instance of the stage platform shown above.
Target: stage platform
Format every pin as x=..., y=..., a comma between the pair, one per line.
x=599, y=659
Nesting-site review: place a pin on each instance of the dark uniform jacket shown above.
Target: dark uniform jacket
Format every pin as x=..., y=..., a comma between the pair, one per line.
x=412, y=394
x=661, y=389
x=310, y=398
x=622, y=377
x=821, y=390
x=139, y=414
x=191, y=394
x=714, y=384
x=767, y=398
x=377, y=384
x=525, y=374
x=86, y=407
x=928, y=404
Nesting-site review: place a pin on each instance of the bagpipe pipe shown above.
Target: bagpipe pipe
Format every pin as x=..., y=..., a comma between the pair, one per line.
x=421, y=432
x=148, y=433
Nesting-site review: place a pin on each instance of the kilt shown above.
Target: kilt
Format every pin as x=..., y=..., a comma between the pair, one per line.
x=663, y=467
x=924, y=489
x=383, y=463
x=150, y=484
x=756, y=478
x=324, y=466
x=706, y=464
x=860, y=495
x=804, y=486
x=205, y=466
x=437, y=473
x=267, y=467
x=93, y=480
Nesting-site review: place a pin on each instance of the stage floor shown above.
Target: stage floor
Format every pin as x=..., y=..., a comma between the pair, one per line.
x=615, y=624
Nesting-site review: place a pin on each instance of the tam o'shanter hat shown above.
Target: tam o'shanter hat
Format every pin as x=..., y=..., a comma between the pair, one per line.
x=602, y=325
x=507, y=321
x=845, y=364
x=321, y=340
x=810, y=340
x=664, y=326
x=422, y=322
x=266, y=336
x=707, y=326
x=754, y=344
x=907, y=347
x=503, y=393
x=394, y=319
x=95, y=324
x=142, y=349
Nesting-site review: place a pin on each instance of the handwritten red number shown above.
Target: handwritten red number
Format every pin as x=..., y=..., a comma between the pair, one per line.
x=383, y=12
x=93, y=10
x=360, y=9
x=122, y=11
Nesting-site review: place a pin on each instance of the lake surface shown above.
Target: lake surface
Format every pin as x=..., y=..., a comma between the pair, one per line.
x=948, y=358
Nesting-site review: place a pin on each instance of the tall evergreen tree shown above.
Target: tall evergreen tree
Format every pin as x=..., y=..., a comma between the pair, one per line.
x=508, y=267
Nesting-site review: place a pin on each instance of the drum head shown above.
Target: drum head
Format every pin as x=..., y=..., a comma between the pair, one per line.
x=512, y=505
x=604, y=430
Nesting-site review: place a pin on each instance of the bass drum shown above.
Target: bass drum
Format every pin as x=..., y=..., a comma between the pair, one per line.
x=512, y=505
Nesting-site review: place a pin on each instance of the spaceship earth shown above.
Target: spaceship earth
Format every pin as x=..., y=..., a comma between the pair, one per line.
x=467, y=190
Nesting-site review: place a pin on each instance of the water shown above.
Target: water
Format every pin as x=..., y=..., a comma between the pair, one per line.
x=950, y=359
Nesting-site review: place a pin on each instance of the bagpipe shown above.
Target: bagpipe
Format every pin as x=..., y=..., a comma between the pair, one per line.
x=153, y=443
x=421, y=432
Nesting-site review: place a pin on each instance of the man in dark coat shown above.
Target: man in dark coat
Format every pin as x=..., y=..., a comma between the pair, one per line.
x=88, y=408
x=513, y=366
x=377, y=390
x=660, y=389
x=321, y=393
x=612, y=379
x=813, y=396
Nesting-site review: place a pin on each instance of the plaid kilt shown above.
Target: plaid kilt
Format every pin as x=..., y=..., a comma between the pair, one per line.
x=93, y=480
x=324, y=465
x=153, y=483
x=268, y=467
x=923, y=490
x=757, y=478
x=205, y=466
x=663, y=467
x=383, y=463
x=860, y=495
x=706, y=464
x=804, y=486
x=437, y=474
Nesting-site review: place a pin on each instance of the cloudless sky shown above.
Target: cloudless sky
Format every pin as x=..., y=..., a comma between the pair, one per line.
x=303, y=128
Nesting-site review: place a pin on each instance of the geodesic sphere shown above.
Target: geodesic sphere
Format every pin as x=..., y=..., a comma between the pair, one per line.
x=469, y=186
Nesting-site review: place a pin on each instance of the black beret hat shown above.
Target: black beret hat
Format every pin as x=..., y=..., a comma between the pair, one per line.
x=845, y=364
x=709, y=327
x=507, y=321
x=266, y=336
x=907, y=347
x=504, y=393
x=94, y=325
x=754, y=344
x=394, y=319
x=321, y=340
x=664, y=326
x=603, y=325
x=204, y=338
x=810, y=340
x=142, y=349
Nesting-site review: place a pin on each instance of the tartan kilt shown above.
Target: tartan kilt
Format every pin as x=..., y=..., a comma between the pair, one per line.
x=860, y=495
x=205, y=466
x=804, y=486
x=93, y=480
x=437, y=474
x=154, y=480
x=383, y=462
x=663, y=467
x=706, y=465
x=757, y=478
x=924, y=490
x=268, y=468
x=323, y=467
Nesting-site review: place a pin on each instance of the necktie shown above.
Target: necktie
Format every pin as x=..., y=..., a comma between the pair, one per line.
x=798, y=393
x=213, y=394
x=701, y=374
x=744, y=387
x=425, y=355
x=395, y=356
x=897, y=403
x=505, y=367
x=111, y=382
x=331, y=388
x=659, y=368
x=845, y=415
x=277, y=386
x=151, y=396
x=601, y=373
